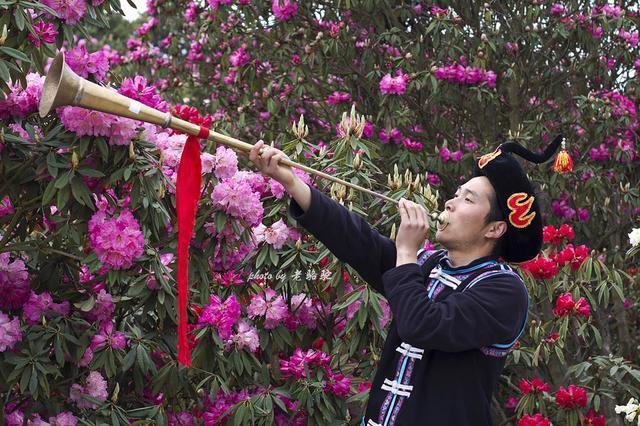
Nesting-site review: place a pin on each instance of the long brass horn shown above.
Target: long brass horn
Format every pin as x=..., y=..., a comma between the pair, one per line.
x=62, y=87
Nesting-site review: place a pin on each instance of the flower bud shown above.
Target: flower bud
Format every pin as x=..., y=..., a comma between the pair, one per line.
x=74, y=160
x=357, y=161
x=132, y=154
x=393, y=232
x=3, y=36
x=298, y=244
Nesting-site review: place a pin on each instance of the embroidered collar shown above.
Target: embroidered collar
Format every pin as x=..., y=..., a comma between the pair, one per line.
x=476, y=264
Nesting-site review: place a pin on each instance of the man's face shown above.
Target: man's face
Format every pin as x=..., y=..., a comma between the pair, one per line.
x=467, y=210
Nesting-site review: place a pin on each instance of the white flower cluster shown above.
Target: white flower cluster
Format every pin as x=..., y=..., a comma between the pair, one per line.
x=631, y=410
x=634, y=237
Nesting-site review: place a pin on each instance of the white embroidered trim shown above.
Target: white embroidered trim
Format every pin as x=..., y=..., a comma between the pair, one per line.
x=397, y=388
x=444, y=278
x=372, y=423
x=410, y=351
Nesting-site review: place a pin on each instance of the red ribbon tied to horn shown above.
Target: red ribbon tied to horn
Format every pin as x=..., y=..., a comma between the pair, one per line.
x=187, y=196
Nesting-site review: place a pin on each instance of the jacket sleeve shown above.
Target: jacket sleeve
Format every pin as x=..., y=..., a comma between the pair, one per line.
x=348, y=236
x=490, y=312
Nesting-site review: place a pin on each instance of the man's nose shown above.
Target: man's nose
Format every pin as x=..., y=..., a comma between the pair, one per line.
x=448, y=205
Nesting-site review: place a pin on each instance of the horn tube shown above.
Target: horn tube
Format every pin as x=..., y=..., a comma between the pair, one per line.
x=63, y=87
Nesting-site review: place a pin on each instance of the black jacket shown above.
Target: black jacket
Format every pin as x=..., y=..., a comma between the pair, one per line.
x=450, y=333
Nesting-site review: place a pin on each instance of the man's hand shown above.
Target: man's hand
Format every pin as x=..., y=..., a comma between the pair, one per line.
x=268, y=163
x=414, y=227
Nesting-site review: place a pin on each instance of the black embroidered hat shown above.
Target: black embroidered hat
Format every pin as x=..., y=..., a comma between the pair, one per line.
x=520, y=209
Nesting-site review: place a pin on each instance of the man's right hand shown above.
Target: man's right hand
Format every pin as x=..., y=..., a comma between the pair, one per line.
x=268, y=163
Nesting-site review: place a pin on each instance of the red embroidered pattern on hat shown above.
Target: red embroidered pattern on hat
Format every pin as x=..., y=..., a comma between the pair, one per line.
x=520, y=205
x=484, y=160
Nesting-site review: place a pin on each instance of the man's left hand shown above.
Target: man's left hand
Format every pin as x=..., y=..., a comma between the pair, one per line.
x=414, y=227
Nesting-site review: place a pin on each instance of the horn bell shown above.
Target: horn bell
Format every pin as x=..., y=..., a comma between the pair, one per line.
x=60, y=87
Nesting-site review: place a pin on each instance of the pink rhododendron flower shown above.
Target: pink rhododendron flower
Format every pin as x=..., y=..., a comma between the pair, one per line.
x=338, y=98
x=273, y=308
x=71, y=11
x=137, y=88
x=85, y=122
x=14, y=283
x=95, y=387
x=394, y=85
x=22, y=101
x=10, y=333
x=116, y=240
x=275, y=235
x=246, y=337
x=236, y=197
x=225, y=163
x=84, y=63
x=63, y=419
x=277, y=190
x=284, y=9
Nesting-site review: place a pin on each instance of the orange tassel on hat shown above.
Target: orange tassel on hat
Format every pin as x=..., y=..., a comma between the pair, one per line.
x=564, y=162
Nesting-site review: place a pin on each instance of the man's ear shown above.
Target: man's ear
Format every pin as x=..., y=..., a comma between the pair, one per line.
x=496, y=229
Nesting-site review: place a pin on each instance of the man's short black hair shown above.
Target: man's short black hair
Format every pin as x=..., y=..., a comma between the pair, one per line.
x=495, y=214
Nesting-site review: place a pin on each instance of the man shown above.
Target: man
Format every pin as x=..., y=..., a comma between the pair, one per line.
x=456, y=312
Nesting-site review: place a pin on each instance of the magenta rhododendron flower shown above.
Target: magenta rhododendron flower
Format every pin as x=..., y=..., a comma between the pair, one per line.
x=221, y=315
x=6, y=207
x=103, y=308
x=45, y=32
x=14, y=283
x=116, y=240
x=40, y=305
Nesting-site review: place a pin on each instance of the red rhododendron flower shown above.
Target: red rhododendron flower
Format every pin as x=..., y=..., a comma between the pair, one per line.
x=541, y=267
x=571, y=396
x=573, y=256
x=565, y=305
x=552, y=337
x=555, y=236
x=593, y=419
x=582, y=308
x=535, y=420
x=534, y=386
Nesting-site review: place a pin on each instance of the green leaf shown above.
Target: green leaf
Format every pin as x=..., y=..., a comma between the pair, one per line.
x=15, y=54
x=49, y=192
x=4, y=71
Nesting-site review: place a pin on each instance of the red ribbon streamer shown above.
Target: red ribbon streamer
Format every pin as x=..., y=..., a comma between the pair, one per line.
x=187, y=196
